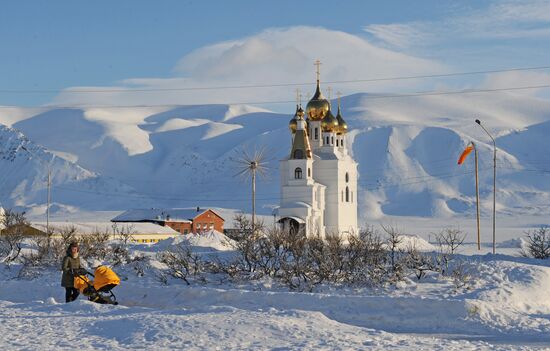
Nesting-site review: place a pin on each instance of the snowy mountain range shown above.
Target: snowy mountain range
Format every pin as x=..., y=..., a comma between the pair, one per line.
x=407, y=149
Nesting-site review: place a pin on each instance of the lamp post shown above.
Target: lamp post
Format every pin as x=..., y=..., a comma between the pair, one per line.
x=494, y=181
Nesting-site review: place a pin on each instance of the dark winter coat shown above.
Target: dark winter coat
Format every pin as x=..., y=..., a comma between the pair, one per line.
x=69, y=264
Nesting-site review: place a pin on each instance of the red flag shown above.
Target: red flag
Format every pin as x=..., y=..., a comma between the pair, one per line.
x=465, y=153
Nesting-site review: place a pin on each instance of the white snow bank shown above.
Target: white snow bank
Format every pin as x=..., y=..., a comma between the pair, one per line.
x=212, y=239
x=414, y=241
x=517, y=243
x=103, y=327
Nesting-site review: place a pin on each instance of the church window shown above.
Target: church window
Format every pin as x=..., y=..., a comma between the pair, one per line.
x=316, y=133
x=347, y=177
x=327, y=141
x=309, y=172
x=298, y=173
x=337, y=142
x=299, y=154
x=347, y=194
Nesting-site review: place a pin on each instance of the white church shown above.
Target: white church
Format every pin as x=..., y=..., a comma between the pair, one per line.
x=319, y=177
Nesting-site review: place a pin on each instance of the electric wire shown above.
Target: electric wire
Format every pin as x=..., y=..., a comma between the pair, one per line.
x=256, y=86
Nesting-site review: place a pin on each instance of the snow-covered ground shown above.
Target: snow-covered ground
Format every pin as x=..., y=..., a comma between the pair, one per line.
x=507, y=306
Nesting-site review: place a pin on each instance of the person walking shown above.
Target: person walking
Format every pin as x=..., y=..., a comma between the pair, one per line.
x=71, y=265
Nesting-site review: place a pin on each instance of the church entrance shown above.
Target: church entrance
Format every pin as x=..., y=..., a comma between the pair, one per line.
x=294, y=225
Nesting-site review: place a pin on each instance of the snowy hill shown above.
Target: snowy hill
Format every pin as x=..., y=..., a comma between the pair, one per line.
x=24, y=179
x=406, y=148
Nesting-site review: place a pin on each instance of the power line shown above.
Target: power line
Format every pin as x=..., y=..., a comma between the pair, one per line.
x=233, y=199
x=369, y=97
x=274, y=85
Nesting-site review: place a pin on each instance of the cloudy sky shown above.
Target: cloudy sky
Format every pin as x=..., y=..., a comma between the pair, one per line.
x=126, y=53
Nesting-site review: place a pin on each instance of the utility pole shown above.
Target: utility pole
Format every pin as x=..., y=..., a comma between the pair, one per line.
x=49, y=200
x=494, y=182
x=253, y=166
x=477, y=199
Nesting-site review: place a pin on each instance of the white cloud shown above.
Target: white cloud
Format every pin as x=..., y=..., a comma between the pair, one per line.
x=273, y=56
x=517, y=79
x=501, y=20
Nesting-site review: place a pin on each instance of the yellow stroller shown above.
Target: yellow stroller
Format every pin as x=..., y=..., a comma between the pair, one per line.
x=99, y=289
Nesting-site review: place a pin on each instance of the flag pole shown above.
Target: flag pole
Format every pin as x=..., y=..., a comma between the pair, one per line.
x=477, y=200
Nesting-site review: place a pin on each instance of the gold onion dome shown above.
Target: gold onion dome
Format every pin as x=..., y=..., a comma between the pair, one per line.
x=329, y=123
x=318, y=106
x=293, y=124
x=342, y=125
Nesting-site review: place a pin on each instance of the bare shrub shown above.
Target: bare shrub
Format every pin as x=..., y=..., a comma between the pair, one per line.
x=461, y=275
x=181, y=262
x=538, y=243
x=246, y=239
x=119, y=253
x=95, y=245
x=420, y=263
x=12, y=236
x=450, y=239
x=394, y=238
x=139, y=264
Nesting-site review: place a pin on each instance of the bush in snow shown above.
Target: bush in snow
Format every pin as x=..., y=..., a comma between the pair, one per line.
x=119, y=253
x=449, y=240
x=538, y=243
x=12, y=236
x=181, y=262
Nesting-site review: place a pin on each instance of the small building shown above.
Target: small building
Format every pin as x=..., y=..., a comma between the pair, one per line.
x=182, y=220
x=139, y=232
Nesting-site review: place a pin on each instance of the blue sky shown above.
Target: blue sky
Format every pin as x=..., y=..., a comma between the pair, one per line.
x=59, y=45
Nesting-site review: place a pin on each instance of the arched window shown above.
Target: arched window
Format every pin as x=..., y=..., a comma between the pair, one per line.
x=309, y=172
x=347, y=194
x=298, y=173
x=332, y=140
x=298, y=154
x=347, y=177
x=337, y=142
x=327, y=141
x=316, y=133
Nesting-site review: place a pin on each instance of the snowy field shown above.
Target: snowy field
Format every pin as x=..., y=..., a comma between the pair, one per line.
x=505, y=306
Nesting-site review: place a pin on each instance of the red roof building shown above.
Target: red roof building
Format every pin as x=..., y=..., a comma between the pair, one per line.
x=182, y=220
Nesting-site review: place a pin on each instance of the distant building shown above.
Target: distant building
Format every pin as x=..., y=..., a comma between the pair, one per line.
x=183, y=220
x=139, y=232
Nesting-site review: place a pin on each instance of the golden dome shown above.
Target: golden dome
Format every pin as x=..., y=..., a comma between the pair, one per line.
x=342, y=125
x=318, y=106
x=300, y=112
x=329, y=123
x=293, y=124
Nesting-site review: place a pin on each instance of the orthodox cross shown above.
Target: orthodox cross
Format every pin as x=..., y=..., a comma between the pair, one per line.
x=318, y=64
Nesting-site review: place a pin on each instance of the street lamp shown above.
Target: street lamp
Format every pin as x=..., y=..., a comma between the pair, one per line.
x=494, y=181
